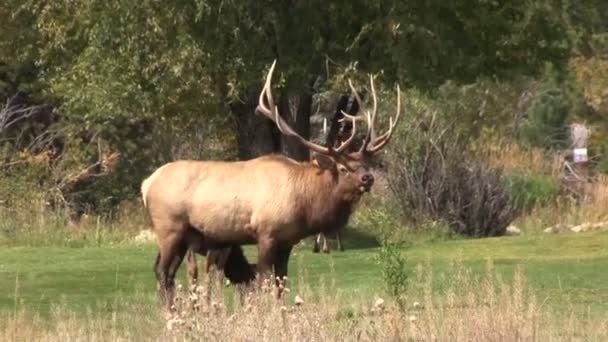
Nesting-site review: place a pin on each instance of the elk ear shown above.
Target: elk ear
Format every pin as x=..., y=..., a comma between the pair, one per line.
x=324, y=161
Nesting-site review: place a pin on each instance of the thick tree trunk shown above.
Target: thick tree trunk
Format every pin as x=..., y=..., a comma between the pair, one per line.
x=257, y=135
x=296, y=111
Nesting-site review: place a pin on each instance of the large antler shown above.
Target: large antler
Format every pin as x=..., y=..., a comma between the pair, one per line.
x=272, y=113
x=373, y=143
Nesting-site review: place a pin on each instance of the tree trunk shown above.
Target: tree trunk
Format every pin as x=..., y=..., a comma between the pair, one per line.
x=296, y=111
x=255, y=136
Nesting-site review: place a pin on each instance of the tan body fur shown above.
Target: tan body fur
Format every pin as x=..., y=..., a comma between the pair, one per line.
x=271, y=197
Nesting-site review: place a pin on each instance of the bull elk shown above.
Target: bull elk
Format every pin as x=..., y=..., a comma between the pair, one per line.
x=271, y=201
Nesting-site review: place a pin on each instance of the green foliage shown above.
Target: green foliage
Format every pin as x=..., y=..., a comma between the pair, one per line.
x=591, y=77
x=378, y=219
x=556, y=100
x=531, y=190
x=484, y=107
x=394, y=271
x=133, y=72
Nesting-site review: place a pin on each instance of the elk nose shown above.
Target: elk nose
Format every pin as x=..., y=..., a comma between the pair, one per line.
x=367, y=179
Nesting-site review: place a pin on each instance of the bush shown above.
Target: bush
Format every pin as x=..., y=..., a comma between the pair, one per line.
x=394, y=271
x=434, y=180
x=478, y=201
x=531, y=190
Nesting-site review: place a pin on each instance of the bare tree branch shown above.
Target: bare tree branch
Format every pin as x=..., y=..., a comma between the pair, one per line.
x=11, y=113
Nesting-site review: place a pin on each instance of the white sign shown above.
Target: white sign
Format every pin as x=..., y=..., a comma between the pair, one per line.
x=579, y=155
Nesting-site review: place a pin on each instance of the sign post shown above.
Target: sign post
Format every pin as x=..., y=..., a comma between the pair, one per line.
x=579, y=134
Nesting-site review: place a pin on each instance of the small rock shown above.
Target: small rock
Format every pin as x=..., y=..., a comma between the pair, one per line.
x=513, y=230
x=412, y=318
x=417, y=305
x=587, y=226
x=379, y=304
x=298, y=300
x=579, y=228
x=558, y=228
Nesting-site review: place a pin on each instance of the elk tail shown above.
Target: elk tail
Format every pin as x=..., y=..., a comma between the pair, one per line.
x=145, y=185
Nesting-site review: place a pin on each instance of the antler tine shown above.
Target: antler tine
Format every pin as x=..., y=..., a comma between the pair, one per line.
x=350, y=117
x=367, y=116
x=381, y=141
x=266, y=91
x=374, y=110
x=272, y=113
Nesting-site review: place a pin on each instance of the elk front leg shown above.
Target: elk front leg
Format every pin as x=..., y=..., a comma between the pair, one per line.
x=280, y=267
x=266, y=258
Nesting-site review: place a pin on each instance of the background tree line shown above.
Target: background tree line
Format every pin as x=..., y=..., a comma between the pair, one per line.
x=98, y=94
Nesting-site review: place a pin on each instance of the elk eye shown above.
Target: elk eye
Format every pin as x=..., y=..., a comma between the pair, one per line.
x=342, y=169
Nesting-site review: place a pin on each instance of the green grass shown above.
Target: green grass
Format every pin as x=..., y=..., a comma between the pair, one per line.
x=568, y=271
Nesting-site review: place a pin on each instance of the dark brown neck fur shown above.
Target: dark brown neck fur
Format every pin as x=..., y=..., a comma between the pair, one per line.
x=326, y=208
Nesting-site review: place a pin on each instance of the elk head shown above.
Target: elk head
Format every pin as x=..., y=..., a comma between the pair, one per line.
x=350, y=169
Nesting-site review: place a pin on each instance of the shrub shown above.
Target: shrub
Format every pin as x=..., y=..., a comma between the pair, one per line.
x=531, y=190
x=433, y=179
x=378, y=219
x=394, y=271
x=478, y=201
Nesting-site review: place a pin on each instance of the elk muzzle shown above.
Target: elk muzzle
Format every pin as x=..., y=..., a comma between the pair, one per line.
x=367, y=180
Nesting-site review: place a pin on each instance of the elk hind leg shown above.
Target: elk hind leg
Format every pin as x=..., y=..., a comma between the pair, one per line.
x=172, y=250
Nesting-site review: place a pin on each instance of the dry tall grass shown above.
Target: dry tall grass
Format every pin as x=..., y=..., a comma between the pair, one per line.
x=27, y=220
x=513, y=157
x=468, y=308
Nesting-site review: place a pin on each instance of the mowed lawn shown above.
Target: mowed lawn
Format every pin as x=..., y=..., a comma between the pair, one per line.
x=568, y=271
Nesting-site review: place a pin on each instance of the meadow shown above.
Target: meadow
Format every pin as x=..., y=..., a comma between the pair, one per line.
x=553, y=286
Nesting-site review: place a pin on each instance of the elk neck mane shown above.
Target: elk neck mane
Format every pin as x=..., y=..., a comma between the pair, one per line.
x=325, y=205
